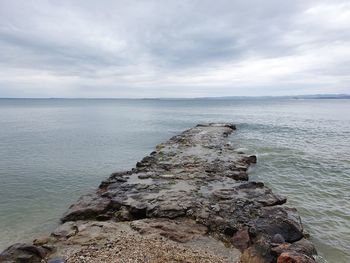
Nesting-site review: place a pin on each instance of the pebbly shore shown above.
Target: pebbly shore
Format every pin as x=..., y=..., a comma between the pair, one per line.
x=190, y=200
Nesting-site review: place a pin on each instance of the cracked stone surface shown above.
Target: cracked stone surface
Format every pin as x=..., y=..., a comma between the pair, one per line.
x=192, y=187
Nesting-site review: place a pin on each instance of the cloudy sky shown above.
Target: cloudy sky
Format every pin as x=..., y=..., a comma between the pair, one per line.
x=177, y=48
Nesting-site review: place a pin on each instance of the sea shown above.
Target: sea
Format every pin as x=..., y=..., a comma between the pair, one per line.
x=54, y=150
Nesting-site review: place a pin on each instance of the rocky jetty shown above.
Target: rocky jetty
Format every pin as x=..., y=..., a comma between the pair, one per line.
x=188, y=201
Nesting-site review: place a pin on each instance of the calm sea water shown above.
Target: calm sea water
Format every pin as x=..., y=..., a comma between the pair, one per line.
x=52, y=151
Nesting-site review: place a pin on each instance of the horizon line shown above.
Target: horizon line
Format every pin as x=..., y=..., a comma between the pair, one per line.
x=322, y=95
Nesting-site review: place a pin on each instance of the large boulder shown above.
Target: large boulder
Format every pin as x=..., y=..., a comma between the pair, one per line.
x=87, y=207
x=24, y=253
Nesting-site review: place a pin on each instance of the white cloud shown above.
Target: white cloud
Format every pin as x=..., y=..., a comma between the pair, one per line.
x=173, y=48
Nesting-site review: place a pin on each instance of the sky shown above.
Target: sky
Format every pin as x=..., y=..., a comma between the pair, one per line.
x=177, y=48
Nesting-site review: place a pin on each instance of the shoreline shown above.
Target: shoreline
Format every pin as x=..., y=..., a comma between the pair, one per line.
x=191, y=187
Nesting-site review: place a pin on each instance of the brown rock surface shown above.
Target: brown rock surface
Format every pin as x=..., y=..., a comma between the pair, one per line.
x=294, y=257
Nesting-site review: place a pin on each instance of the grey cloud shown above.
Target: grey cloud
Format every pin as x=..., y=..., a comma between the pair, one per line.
x=172, y=48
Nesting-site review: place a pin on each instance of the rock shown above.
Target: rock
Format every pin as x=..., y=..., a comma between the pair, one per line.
x=123, y=215
x=294, y=257
x=280, y=248
x=250, y=159
x=178, y=230
x=144, y=176
x=194, y=183
x=278, y=239
x=87, y=207
x=302, y=246
x=21, y=252
x=241, y=239
x=167, y=211
x=280, y=221
x=252, y=255
x=42, y=241
x=66, y=230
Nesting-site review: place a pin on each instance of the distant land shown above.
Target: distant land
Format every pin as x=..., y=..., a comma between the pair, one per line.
x=301, y=97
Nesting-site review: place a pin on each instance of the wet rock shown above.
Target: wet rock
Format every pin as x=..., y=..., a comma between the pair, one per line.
x=262, y=194
x=280, y=221
x=87, y=207
x=21, y=252
x=138, y=210
x=144, y=176
x=294, y=257
x=302, y=246
x=278, y=239
x=250, y=159
x=167, y=211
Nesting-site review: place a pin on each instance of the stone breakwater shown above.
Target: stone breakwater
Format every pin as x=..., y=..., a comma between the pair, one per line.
x=188, y=201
